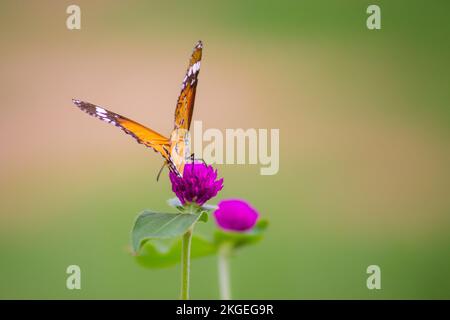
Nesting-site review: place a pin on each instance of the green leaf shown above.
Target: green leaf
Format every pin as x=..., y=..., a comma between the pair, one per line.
x=203, y=216
x=167, y=252
x=239, y=239
x=156, y=225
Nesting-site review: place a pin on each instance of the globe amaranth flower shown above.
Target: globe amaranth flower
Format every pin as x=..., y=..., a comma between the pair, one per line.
x=235, y=215
x=198, y=184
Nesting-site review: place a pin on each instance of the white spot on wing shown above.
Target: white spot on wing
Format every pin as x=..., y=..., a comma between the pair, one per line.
x=100, y=110
x=196, y=66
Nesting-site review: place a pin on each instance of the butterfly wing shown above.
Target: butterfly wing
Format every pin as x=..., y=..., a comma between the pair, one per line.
x=151, y=138
x=185, y=103
x=179, y=147
x=142, y=134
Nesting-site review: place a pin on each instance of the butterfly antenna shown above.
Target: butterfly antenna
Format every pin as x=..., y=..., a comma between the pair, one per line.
x=160, y=171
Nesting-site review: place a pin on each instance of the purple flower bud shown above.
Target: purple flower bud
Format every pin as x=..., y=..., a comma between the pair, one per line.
x=235, y=215
x=197, y=185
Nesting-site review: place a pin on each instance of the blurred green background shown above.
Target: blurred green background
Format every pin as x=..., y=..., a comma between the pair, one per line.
x=364, y=156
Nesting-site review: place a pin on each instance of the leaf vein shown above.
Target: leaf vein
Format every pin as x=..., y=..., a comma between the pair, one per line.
x=165, y=224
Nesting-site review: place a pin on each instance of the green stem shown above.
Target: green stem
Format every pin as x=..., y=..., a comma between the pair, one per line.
x=224, y=271
x=185, y=263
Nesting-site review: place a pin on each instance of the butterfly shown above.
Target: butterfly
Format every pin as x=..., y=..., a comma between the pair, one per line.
x=175, y=149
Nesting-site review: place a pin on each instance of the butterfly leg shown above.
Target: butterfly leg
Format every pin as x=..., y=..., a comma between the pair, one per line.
x=193, y=159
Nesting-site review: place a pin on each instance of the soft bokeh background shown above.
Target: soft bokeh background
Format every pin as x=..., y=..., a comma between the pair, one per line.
x=364, y=161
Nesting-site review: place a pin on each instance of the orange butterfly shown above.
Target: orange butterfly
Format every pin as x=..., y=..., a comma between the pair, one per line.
x=175, y=149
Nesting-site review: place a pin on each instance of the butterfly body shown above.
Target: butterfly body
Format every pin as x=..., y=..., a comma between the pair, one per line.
x=175, y=149
x=180, y=147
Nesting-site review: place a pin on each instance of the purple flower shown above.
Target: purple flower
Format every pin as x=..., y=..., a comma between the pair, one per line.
x=197, y=185
x=235, y=215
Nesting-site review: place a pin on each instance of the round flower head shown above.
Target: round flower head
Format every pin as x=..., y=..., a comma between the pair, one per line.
x=235, y=215
x=197, y=185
